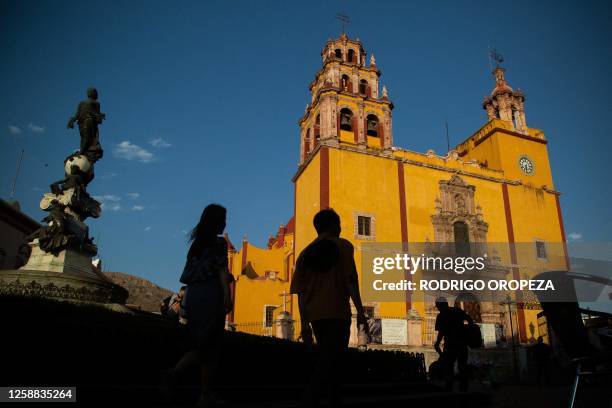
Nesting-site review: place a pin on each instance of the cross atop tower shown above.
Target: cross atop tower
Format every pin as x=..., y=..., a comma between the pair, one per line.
x=344, y=20
x=494, y=55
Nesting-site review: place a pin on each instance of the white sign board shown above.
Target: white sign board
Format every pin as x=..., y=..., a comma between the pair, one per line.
x=488, y=334
x=395, y=331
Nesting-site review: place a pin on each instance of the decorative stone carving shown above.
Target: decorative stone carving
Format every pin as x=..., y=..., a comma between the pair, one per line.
x=73, y=290
x=68, y=203
x=505, y=103
x=60, y=261
x=456, y=204
x=453, y=154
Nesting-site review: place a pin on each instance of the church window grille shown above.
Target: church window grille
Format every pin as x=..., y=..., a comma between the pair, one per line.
x=269, y=315
x=541, y=250
x=364, y=225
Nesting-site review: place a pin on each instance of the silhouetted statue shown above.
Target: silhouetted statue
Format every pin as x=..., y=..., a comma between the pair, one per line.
x=68, y=203
x=88, y=117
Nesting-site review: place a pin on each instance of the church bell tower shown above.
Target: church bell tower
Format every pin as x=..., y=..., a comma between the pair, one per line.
x=346, y=106
x=505, y=103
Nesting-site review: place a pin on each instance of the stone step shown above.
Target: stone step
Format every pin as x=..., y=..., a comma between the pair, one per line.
x=428, y=399
x=354, y=395
x=242, y=393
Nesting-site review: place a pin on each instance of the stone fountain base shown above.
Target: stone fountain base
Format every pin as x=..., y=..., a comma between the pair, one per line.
x=68, y=275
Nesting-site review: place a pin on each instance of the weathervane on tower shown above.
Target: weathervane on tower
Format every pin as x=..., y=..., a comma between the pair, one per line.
x=344, y=20
x=494, y=55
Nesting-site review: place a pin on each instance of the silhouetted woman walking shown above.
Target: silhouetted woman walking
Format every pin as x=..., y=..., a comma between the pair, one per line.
x=207, y=298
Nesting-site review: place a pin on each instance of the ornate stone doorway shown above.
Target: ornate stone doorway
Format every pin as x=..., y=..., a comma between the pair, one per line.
x=459, y=226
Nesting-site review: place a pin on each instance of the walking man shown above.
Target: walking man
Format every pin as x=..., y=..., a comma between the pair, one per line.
x=450, y=325
x=325, y=279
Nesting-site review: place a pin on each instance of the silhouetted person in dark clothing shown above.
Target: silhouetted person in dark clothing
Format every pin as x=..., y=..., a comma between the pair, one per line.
x=541, y=353
x=451, y=327
x=176, y=307
x=164, y=305
x=325, y=279
x=207, y=300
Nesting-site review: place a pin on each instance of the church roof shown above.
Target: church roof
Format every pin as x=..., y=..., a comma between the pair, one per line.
x=11, y=213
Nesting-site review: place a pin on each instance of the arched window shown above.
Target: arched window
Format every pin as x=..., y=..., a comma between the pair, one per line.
x=307, y=143
x=363, y=87
x=372, y=125
x=317, y=127
x=462, y=238
x=346, y=83
x=351, y=56
x=338, y=53
x=346, y=119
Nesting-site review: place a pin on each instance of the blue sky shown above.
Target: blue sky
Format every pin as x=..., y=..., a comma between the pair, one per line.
x=202, y=102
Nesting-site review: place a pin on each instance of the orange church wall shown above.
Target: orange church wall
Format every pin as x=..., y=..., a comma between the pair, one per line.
x=367, y=183
x=513, y=148
x=307, y=203
x=371, y=188
x=253, y=294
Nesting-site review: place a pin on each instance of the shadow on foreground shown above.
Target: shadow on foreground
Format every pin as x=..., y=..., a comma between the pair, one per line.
x=115, y=358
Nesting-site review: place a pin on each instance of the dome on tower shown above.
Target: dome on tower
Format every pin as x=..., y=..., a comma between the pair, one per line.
x=505, y=103
x=501, y=86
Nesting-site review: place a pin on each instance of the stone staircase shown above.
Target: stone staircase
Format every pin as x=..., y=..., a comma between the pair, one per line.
x=389, y=395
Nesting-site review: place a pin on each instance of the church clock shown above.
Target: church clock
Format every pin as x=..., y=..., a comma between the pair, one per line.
x=526, y=165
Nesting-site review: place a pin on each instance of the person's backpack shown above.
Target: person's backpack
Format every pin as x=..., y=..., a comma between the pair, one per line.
x=473, y=336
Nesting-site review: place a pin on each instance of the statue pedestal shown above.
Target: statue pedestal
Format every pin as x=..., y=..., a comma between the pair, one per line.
x=68, y=261
x=69, y=275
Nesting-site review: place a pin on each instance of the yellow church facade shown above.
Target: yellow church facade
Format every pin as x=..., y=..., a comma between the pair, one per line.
x=495, y=187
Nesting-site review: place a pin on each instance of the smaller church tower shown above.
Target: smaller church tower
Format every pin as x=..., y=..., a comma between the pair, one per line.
x=346, y=106
x=505, y=103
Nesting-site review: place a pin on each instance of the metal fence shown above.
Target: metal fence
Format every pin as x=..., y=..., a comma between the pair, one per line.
x=291, y=329
x=288, y=329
